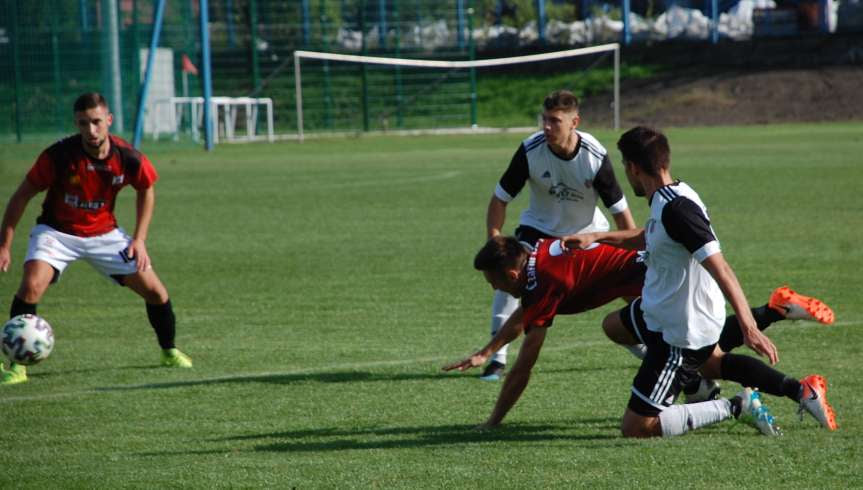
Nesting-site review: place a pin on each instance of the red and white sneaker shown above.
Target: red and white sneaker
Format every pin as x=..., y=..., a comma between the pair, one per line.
x=795, y=306
x=814, y=400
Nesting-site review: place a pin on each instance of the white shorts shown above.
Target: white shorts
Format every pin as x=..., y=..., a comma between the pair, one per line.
x=106, y=253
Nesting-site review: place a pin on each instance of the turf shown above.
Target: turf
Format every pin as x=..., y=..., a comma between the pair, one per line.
x=320, y=286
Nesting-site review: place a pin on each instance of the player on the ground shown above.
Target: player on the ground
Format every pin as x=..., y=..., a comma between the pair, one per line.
x=681, y=311
x=552, y=280
x=568, y=172
x=83, y=174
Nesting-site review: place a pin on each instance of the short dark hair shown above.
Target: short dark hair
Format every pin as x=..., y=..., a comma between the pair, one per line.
x=500, y=252
x=645, y=147
x=560, y=100
x=89, y=100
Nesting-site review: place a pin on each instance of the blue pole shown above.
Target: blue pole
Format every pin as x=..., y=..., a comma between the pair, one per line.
x=85, y=25
x=306, y=22
x=627, y=33
x=540, y=20
x=229, y=20
x=206, y=79
x=148, y=75
x=382, y=23
x=460, y=21
x=714, y=25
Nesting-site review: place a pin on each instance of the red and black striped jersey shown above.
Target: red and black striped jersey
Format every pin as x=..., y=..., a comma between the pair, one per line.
x=82, y=189
x=562, y=282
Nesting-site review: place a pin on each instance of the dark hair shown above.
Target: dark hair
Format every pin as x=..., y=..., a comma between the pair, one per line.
x=645, y=147
x=561, y=100
x=89, y=101
x=498, y=253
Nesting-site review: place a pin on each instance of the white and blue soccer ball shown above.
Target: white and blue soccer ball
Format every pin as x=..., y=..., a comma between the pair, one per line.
x=26, y=339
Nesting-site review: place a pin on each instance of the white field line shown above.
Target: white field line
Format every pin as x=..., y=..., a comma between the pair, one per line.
x=391, y=182
x=262, y=374
x=322, y=369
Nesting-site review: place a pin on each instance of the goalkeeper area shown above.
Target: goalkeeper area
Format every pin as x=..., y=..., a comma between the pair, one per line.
x=341, y=92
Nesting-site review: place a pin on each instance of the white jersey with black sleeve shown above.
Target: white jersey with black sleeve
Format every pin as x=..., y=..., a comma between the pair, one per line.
x=680, y=297
x=564, y=193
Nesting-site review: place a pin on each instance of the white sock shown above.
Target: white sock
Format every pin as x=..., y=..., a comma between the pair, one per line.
x=502, y=307
x=637, y=350
x=678, y=419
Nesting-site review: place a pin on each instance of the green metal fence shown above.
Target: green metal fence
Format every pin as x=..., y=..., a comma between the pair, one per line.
x=53, y=50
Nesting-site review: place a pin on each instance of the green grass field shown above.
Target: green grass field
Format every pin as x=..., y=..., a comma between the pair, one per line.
x=320, y=286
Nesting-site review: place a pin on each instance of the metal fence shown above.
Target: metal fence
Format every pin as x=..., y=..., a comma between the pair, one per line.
x=53, y=50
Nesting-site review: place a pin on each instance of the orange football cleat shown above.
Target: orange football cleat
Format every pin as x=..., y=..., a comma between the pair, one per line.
x=795, y=306
x=813, y=399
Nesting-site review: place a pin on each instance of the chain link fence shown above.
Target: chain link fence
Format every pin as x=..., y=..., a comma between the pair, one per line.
x=53, y=50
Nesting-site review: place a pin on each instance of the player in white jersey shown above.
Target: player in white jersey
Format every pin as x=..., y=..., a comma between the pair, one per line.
x=682, y=310
x=568, y=172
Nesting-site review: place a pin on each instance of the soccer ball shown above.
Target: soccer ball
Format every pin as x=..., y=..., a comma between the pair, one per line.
x=26, y=339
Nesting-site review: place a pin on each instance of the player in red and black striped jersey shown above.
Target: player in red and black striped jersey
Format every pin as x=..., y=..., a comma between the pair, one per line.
x=568, y=173
x=552, y=280
x=82, y=175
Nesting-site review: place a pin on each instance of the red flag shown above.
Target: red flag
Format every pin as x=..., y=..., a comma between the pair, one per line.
x=188, y=67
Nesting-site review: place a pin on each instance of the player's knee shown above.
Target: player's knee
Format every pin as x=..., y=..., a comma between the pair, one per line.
x=637, y=430
x=634, y=425
x=32, y=288
x=157, y=296
x=615, y=330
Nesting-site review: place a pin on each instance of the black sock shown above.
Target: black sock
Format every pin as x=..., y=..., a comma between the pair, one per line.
x=162, y=319
x=732, y=337
x=751, y=372
x=20, y=307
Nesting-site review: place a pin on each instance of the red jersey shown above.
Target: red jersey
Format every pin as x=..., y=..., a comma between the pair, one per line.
x=82, y=189
x=561, y=281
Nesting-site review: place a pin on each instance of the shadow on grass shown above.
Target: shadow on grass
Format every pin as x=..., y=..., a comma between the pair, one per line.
x=340, y=439
x=288, y=378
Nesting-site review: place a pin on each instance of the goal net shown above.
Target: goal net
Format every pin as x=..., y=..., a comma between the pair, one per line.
x=343, y=92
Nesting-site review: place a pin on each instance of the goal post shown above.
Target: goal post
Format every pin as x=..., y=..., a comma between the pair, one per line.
x=299, y=55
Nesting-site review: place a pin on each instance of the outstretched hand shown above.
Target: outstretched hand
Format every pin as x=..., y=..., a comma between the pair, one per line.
x=761, y=344
x=473, y=361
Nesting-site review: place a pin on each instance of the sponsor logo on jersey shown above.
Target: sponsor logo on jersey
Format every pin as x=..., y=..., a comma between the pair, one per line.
x=75, y=202
x=74, y=180
x=546, y=175
x=564, y=193
x=102, y=167
x=531, y=273
x=117, y=180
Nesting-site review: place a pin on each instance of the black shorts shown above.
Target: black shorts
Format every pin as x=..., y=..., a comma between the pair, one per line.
x=530, y=235
x=665, y=370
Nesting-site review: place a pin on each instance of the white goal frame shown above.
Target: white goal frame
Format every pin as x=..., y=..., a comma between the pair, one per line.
x=377, y=60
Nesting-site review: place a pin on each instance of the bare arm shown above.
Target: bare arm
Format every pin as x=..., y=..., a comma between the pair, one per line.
x=509, y=331
x=145, y=202
x=722, y=273
x=495, y=217
x=632, y=239
x=624, y=220
x=516, y=380
x=14, y=210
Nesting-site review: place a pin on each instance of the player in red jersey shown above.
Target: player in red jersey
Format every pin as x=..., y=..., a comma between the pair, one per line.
x=552, y=280
x=82, y=175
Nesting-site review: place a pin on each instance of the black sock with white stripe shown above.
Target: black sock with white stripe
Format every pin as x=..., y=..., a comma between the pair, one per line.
x=753, y=373
x=732, y=337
